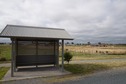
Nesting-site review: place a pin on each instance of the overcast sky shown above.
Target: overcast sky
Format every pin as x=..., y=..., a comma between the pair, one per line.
x=86, y=20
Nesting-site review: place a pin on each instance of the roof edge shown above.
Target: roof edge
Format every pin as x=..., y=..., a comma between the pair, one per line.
x=3, y=30
x=34, y=27
x=36, y=37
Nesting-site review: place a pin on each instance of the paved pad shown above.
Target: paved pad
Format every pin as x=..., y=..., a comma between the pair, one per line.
x=32, y=72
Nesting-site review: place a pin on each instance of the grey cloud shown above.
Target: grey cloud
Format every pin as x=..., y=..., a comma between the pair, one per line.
x=86, y=20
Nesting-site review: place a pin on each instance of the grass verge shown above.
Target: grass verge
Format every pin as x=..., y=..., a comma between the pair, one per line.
x=84, y=68
x=3, y=71
x=5, y=52
x=2, y=62
x=87, y=68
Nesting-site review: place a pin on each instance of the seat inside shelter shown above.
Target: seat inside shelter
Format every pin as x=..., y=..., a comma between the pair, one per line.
x=36, y=52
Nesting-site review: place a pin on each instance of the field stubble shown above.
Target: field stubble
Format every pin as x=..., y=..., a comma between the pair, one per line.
x=93, y=52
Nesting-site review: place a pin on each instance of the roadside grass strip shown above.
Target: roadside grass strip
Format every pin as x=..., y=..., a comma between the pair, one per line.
x=3, y=71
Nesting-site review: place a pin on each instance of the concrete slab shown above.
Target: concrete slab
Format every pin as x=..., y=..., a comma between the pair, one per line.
x=33, y=72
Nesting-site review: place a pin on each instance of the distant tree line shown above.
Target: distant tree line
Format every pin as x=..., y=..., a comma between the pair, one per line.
x=2, y=43
x=99, y=44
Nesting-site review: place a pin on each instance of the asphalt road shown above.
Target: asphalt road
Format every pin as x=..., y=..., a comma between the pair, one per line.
x=116, y=76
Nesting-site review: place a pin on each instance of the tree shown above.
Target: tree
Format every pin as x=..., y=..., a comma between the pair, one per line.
x=89, y=43
x=99, y=43
x=72, y=43
x=67, y=56
x=68, y=43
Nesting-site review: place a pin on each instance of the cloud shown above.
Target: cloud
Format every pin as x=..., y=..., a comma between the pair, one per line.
x=86, y=20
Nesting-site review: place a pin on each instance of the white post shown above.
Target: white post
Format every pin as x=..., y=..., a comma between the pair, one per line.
x=62, y=55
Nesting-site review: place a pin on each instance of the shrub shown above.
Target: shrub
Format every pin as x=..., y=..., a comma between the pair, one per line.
x=67, y=56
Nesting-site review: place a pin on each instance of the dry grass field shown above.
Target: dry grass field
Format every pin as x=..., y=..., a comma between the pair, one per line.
x=82, y=52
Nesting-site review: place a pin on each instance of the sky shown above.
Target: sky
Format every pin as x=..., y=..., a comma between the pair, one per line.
x=86, y=20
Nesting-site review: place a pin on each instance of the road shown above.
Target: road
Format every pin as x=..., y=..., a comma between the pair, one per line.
x=115, y=76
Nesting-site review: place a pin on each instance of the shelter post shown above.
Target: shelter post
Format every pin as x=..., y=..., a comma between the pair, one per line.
x=12, y=59
x=56, y=48
x=36, y=52
x=57, y=53
x=14, y=53
x=62, y=55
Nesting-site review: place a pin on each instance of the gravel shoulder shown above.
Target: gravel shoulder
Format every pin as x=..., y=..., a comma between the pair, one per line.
x=5, y=65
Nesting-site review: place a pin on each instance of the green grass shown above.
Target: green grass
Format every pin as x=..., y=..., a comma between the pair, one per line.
x=84, y=68
x=3, y=71
x=5, y=51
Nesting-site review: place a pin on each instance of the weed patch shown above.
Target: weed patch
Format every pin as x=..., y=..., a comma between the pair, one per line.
x=85, y=68
x=3, y=71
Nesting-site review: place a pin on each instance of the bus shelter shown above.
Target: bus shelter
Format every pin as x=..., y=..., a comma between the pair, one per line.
x=35, y=45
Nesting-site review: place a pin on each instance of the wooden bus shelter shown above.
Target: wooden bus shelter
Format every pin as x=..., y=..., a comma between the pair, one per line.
x=35, y=45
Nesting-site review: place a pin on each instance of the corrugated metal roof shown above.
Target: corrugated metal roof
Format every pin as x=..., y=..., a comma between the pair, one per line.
x=34, y=32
